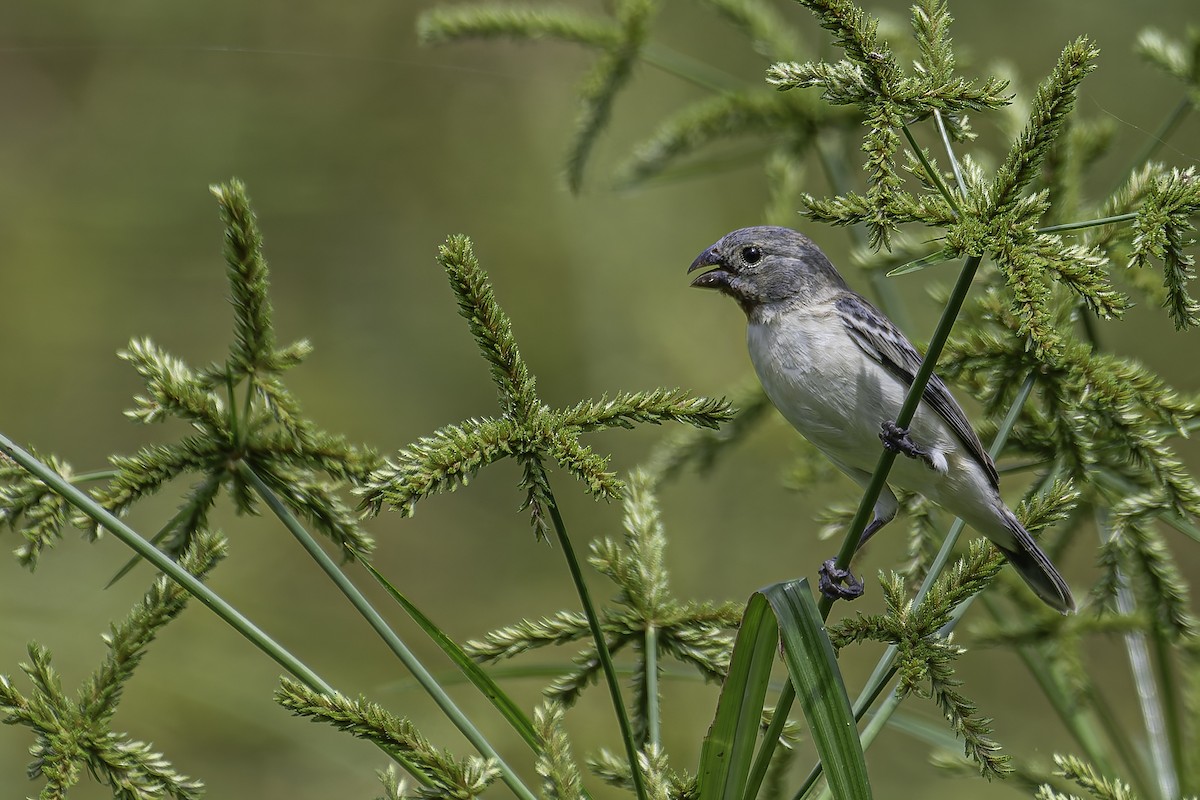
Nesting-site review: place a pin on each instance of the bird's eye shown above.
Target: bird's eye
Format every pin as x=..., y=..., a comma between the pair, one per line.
x=751, y=254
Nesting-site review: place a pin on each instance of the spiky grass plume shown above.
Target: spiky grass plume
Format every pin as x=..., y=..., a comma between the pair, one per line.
x=29, y=507
x=694, y=633
x=927, y=657
x=925, y=654
x=1086, y=777
x=1162, y=231
x=72, y=735
x=870, y=78
x=446, y=776
x=527, y=429
x=239, y=411
x=444, y=24
x=619, y=40
x=556, y=764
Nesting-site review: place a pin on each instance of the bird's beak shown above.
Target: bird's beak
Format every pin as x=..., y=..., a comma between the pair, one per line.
x=715, y=278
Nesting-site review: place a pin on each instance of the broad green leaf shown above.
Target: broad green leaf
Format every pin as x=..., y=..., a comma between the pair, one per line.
x=472, y=671
x=729, y=747
x=819, y=688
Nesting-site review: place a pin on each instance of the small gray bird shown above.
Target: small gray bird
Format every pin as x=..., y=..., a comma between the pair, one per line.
x=838, y=370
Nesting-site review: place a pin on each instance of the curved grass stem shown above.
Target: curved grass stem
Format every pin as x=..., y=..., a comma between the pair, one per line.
x=230, y=615
x=693, y=70
x=602, y=652
x=938, y=183
x=385, y=632
x=1089, y=223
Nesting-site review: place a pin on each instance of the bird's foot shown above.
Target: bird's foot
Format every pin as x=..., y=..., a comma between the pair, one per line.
x=897, y=440
x=837, y=583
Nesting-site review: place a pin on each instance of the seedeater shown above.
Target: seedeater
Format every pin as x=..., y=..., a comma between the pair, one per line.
x=838, y=370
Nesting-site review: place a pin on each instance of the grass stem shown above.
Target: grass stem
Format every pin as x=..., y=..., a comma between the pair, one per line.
x=602, y=652
x=385, y=632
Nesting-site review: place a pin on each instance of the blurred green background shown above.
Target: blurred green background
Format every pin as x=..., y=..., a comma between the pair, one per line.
x=362, y=151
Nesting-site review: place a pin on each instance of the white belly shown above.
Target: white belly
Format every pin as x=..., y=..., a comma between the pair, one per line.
x=837, y=398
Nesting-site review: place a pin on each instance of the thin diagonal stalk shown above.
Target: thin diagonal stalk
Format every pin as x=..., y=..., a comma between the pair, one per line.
x=1143, y=679
x=166, y=530
x=693, y=70
x=885, y=669
x=917, y=390
x=1089, y=223
x=938, y=183
x=1160, y=136
x=954, y=165
x=866, y=506
x=380, y=626
x=606, y=662
x=230, y=615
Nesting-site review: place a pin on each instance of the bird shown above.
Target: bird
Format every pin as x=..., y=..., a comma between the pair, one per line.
x=838, y=371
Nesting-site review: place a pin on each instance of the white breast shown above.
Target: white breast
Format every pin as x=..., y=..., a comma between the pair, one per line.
x=820, y=380
x=837, y=397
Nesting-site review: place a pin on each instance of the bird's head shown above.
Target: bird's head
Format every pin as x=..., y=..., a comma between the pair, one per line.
x=767, y=265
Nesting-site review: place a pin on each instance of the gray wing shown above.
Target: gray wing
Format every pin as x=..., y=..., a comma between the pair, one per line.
x=883, y=341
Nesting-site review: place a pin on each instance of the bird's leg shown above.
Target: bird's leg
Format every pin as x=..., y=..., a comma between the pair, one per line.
x=837, y=583
x=840, y=584
x=897, y=440
x=872, y=528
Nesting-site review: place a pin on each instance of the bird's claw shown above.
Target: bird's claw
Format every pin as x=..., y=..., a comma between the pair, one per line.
x=837, y=583
x=897, y=440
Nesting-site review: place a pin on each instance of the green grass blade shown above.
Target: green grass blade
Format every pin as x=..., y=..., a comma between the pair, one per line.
x=729, y=747
x=921, y=263
x=445, y=704
x=470, y=670
x=819, y=688
x=128, y=566
x=131, y=538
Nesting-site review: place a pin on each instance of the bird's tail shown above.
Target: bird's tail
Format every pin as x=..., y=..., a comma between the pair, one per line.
x=1035, y=568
